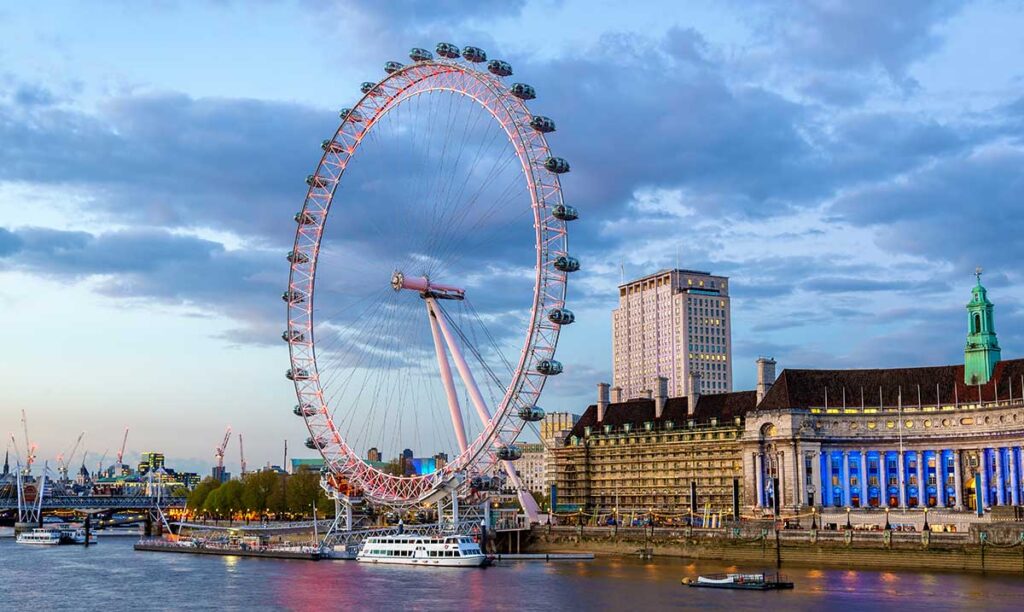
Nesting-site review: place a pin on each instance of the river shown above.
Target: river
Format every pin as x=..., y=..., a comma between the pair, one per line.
x=110, y=576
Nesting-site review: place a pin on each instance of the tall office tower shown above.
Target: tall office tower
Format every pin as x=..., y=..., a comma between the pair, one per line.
x=672, y=324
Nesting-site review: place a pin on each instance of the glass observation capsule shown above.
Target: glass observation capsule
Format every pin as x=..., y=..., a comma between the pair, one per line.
x=523, y=91
x=332, y=146
x=315, y=443
x=565, y=213
x=304, y=218
x=509, y=453
x=474, y=54
x=304, y=410
x=292, y=335
x=298, y=374
x=391, y=67
x=420, y=55
x=556, y=165
x=350, y=115
x=316, y=181
x=531, y=414
x=293, y=297
x=447, y=50
x=499, y=68
x=549, y=367
x=298, y=257
x=542, y=124
x=561, y=316
x=369, y=87
x=566, y=263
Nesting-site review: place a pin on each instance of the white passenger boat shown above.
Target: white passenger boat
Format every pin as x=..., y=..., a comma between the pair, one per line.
x=410, y=549
x=40, y=536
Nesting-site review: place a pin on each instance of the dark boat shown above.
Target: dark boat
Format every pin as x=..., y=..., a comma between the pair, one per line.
x=761, y=581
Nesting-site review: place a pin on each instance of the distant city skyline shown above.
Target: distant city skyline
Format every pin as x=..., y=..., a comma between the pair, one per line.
x=846, y=166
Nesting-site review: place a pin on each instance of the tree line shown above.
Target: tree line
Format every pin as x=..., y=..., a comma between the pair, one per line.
x=261, y=494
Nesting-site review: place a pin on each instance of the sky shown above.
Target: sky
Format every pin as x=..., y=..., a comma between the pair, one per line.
x=847, y=165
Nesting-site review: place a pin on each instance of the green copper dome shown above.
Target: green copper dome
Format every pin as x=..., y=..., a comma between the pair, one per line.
x=982, y=351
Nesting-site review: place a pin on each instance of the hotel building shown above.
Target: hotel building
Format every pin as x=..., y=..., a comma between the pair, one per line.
x=949, y=437
x=674, y=323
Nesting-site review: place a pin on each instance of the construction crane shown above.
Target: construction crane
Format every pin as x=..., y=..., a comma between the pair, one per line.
x=120, y=453
x=30, y=449
x=99, y=466
x=219, y=453
x=62, y=464
x=241, y=453
x=14, y=444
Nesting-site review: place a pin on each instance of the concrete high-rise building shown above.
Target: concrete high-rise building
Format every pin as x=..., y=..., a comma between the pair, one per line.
x=674, y=324
x=373, y=455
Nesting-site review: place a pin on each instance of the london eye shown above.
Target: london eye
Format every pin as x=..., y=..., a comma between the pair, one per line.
x=428, y=278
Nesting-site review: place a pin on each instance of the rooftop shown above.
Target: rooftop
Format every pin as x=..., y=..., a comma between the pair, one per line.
x=927, y=386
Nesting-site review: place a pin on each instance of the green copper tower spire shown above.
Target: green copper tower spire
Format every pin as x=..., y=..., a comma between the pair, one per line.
x=982, y=351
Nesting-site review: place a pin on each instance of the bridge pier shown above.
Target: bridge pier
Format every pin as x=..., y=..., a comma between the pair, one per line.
x=88, y=525
x=149, y=525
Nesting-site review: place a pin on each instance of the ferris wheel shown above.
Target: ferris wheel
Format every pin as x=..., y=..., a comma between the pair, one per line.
x=427, y=313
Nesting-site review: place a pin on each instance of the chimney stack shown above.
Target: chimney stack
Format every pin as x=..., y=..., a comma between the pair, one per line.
x=602, y=401
x=661, y=396
x=765, y=376
x=647, y=394
x=617, y=395
x=692, y=393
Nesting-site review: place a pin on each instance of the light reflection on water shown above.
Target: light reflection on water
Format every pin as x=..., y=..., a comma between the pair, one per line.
x=105, y=576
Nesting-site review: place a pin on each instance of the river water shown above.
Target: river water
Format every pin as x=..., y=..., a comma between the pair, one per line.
x=110, y=576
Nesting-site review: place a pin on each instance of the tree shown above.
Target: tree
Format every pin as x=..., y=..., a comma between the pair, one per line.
x=302, y=492
x=257, y=487
x=197, y=498
x=214, y=502
x=232, y=495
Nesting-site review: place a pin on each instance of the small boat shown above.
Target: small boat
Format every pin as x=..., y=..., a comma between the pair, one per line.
x=74, y=535
x=411, y=549
x=762, y=581
x=40, y=536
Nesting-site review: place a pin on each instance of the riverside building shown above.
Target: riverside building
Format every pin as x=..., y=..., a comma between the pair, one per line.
x=672, y=323
x=948, y=438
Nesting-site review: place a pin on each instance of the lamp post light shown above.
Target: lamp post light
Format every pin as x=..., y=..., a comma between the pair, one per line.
x=926, y=527
x=848, y=524
x=887, y=525
x=814, y=518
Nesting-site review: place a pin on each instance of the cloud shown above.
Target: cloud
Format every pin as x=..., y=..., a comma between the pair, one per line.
x=857, y=36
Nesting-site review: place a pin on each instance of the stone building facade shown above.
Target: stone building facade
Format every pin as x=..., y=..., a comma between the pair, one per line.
x=938, y=437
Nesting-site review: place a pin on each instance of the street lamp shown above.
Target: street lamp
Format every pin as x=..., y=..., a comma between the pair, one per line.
x=926, y=528
x=848, y=525
x=814, y=518
x=887, y=525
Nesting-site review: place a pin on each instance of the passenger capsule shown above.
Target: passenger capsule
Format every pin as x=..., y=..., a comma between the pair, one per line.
x=531, y=414
x=293, y=297
x=556, y=165
x=447, y=50
x=474, y=54
x=316, y=181
x=478, y=483
x=298, y=257
x=523, y=91
x=315, y=443
x=305, y=410
x=564, y=213
x=566, y=263
x=561, y=316
x=332, y=147
x=509, y=453
x=542, y=124
x=304, y=218
x=549, y=367
x=298, y=374
x=392, y=67
x=420, y=55
x=369, y=87
x=499, y=68
x=350, y=115
x=292, y=335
